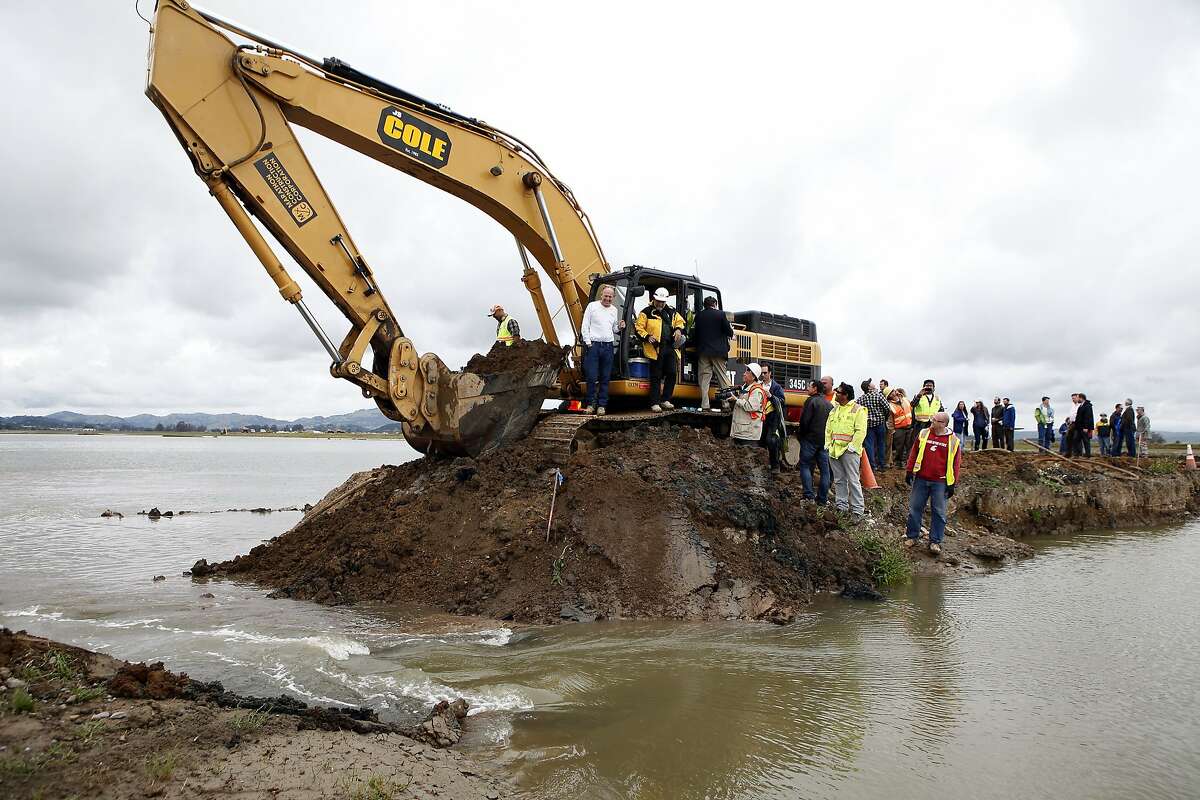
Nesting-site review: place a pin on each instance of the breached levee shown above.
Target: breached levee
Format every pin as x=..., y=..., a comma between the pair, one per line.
x=659, y=522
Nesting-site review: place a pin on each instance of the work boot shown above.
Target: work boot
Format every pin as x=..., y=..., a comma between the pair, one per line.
x=909, y=541
x=667, y=406
x=656, y=408
x=601, y=411
x=590, y=410
x=935, y=548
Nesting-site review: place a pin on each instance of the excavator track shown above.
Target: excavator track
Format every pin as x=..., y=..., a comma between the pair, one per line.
x=562, y=433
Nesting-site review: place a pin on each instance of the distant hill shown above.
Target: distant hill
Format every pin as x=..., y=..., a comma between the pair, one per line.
x=363, y=421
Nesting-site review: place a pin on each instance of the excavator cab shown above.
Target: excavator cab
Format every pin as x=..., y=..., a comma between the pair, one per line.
x=633, y=286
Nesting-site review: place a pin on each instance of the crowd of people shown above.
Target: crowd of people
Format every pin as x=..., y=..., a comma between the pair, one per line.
x=838, y=427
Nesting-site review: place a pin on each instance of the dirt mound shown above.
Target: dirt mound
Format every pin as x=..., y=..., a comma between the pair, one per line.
x=654, y=522
x=153, y=681
x=521, y=356
x=664, y=522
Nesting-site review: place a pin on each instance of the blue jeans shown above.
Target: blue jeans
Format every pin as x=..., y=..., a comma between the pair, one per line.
x=932, y=492
x=597, y=369
x=1044, y=433
x=1103, y=445
x=876, y=445
x=809, y=453
x=1130, y=444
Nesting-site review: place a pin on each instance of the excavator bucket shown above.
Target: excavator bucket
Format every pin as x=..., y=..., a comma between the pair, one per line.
x=492, y=402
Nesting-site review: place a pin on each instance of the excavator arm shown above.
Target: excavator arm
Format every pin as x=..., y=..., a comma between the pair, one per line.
x=232, y=106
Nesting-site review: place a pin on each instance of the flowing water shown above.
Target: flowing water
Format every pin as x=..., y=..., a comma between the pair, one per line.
x=1071, y=675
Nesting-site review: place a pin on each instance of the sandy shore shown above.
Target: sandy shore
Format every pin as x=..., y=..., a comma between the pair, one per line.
x=66, y=730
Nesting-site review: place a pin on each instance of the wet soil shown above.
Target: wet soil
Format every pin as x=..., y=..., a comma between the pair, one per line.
x=74, y=723
x=661, y=521
x=521, y=356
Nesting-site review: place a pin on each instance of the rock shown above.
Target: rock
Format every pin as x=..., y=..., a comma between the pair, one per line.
x=15, y=683
x=201, y=568
x=119, y=715
x=208, y=595
x=443, y=727
x=154, y=513
x=158, y=578
x=110, y=513
x=307, y=508
x=854, y=590
x=575, y=613
x=101, y=715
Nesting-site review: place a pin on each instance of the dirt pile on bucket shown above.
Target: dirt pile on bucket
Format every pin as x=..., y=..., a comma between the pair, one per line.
x=653, y=522
x=520, y=356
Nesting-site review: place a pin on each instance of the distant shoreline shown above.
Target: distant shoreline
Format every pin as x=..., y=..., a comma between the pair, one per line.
x=214, y=434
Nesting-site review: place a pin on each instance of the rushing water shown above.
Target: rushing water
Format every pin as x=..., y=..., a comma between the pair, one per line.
x=1072, y=675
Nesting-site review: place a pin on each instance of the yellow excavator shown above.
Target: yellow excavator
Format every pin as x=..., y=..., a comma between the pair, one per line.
x=231, y=96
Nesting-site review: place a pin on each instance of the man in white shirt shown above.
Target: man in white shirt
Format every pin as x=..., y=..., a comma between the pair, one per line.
x=601, y=324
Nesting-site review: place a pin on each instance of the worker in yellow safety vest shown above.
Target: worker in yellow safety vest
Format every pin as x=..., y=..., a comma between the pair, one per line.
x=845, y=431
x=507, y=329
x=925, y=406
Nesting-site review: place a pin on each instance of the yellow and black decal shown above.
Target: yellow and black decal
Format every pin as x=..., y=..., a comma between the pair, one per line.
x=281, y=183
x=414, y=137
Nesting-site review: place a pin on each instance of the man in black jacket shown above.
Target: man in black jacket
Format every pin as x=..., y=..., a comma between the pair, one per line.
x=1128, y=428
x=711, y=333
x=997, y=424
x=1081, y=428
x=812, y=442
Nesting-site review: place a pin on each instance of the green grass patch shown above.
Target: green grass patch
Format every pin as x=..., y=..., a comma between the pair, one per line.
x=1162, y=466
x=161, y=767
x=88, y=731
x=375, y=787
x=82, y=694
x=21, y=701
x=249, y=722
x=889, y=565
x=17, y=767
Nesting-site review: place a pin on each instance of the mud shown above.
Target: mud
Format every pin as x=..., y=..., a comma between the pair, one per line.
x=88, y=725
x=521, y=356
x=661, y=522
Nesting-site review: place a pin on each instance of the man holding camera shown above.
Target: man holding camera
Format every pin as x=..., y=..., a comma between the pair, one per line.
x=932, y=470
x=924, y=406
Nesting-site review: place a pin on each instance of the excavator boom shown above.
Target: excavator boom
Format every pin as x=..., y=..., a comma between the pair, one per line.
x=232, y=107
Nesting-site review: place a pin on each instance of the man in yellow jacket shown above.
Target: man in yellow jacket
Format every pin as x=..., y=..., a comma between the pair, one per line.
x=661, y=330
x=845, y=431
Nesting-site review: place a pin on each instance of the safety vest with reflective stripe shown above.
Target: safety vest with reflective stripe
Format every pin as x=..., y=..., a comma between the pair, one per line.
x=926, y=407
x=922, y=439
x=847, y=425
x=901, y=414
x=504, y=333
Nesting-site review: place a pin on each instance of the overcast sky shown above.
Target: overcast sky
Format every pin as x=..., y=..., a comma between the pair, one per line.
x=1001, y=196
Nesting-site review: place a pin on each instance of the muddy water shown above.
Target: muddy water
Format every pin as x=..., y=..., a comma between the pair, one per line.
x=1072, y=675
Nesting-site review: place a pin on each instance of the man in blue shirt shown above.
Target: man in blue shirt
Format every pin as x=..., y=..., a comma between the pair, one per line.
x=1009, y=421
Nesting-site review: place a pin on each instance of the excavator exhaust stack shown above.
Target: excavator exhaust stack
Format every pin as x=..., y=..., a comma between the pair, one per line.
x=492, y=402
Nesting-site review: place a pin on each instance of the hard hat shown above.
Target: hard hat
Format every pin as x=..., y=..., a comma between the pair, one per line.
x=494, y=310
x=661, y=294
x=755, y=368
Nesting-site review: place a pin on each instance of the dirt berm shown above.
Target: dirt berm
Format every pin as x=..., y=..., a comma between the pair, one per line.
x=658, y=522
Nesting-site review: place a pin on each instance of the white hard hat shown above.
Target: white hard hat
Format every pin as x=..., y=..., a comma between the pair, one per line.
x=494, y=310
x=661, y=294
x=755, y=368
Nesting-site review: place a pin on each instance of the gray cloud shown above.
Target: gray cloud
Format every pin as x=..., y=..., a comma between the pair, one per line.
x=998, y=197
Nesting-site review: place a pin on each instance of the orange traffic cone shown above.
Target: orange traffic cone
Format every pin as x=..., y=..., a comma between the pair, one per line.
x=1191, y=458
x=865, y=473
